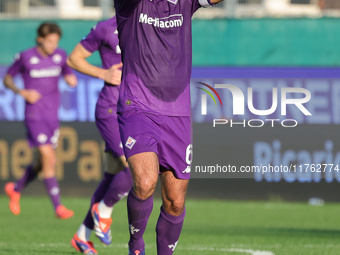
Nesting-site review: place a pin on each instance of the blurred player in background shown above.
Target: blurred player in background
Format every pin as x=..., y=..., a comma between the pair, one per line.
x=117, y=179
x=154, y=112
x=41, y=68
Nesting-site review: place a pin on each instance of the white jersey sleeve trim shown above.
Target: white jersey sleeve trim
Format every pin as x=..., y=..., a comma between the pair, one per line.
x=205, y=3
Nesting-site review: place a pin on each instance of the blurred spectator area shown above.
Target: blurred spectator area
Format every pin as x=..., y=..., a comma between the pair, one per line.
x=272, y=8
x=100, y=9
x=64, y=9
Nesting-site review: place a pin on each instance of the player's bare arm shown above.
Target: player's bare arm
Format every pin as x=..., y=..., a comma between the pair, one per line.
x=30, y=95
x=215, y=1
x=9, y=83
x=77, y=60
x=71, y=80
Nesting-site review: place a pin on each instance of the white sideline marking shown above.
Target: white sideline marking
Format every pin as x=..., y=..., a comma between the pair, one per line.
x=249, y=251
x=193, y=248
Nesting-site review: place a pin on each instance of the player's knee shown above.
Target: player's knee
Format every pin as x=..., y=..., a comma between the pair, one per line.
x=50, y=162
x=174, y=207
x=48, y=157
x=48, y=165
x=48, y=172
x=144, y=188
x=53, y=162
x=114, y=165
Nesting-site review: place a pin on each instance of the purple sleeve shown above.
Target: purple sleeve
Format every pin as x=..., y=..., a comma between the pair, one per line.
x=16, y=67
x=66, y=70
x=92, y=41
x=124, y=8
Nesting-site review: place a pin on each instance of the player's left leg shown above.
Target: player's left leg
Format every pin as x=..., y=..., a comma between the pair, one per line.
x=116, y=183
x=30, y=174
x=48, y=162
x=85, y=230
x=119, y=188
x=13, y=190
x=170, y=221
x=175, y=157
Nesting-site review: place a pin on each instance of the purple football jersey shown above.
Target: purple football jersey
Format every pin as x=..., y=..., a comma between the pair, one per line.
x=41, y=74
x=155, y=38
x=104, y=38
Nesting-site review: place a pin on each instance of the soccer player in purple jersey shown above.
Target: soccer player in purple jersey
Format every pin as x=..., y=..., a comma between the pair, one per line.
x=154, y=112
x=117, y=180
x=41, y=68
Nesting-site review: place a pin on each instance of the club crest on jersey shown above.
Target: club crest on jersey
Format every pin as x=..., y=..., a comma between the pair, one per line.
x=173, y=1
x=56, y=58
x=34, y=60
x=130, y=142
x=42, y=138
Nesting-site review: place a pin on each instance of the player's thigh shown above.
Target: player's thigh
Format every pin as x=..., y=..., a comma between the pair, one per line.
x=109, y=130
x=139, y=133
x=145, y=170
x=173, y=192
x=47, y=155
x=175, y=147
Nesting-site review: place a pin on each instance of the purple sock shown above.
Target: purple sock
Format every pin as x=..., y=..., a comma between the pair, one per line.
x=28, y=176
x=168, y=229
x=138, y=214
x=53, y=191
x=98, y=196
x=119, y=187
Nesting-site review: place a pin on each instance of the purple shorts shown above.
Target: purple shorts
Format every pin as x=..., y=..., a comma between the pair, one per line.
x=40, y=132
x=168, y=136
x=107, y=124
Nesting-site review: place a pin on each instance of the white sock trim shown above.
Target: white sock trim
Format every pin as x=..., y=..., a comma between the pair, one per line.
x=104, y=210
x=84, y=233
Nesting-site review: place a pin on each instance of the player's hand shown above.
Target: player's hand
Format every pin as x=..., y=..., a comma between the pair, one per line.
x=114, y=74
x=71, y=80
x=30, y=95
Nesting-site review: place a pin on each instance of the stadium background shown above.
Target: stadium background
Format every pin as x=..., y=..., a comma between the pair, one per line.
x=255, y=43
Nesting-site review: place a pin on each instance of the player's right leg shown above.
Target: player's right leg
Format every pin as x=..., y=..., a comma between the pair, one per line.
x=145, y=170
x=48, y=162
x=84, y=232
x=140, y=134
x=13, y=190
x=85, y=247
x=119, y=188
x=116, y=182
x=86, y=228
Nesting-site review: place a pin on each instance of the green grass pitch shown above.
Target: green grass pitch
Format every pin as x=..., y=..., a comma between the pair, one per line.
x=211, y=227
